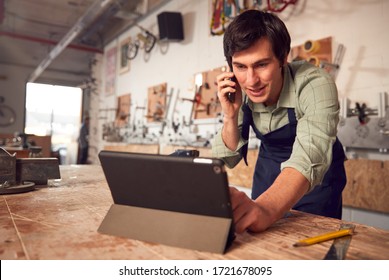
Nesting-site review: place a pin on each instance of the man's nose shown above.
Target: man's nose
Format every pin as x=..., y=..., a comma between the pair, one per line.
x=251, y=77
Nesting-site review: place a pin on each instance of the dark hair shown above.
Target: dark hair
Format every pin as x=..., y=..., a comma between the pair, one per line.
x=250, y=26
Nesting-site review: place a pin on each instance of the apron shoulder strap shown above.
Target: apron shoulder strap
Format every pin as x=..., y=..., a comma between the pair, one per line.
x=247, y=120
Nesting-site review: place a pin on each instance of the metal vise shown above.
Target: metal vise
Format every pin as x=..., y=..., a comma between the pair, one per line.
x=20, y=174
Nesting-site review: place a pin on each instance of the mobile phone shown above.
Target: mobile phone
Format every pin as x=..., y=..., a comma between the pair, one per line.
x=231, y=95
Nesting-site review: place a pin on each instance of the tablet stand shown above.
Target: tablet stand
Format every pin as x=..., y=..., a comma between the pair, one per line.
x=198, y=232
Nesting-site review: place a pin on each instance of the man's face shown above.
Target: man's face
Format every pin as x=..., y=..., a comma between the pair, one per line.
x=259, y=72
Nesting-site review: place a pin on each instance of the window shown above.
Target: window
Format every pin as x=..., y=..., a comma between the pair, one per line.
x=56, y=111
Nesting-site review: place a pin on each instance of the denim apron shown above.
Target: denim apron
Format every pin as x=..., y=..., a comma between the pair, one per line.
x=276, y=147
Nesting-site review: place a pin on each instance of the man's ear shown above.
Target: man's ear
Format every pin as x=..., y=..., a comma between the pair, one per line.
x=285, y=61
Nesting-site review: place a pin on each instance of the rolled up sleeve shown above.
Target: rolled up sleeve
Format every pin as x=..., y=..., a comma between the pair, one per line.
x=318, y=116
x=219, y=149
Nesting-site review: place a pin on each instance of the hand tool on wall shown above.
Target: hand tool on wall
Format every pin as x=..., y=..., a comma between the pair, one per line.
x=333, y=67
x=168, y=110
x=362, y=117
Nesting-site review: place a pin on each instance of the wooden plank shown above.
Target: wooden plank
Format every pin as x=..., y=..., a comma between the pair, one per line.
x=367, y=184
x=242, y=175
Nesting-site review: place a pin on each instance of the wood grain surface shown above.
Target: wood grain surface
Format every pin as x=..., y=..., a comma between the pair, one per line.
x=60, y=221
x=367, y=185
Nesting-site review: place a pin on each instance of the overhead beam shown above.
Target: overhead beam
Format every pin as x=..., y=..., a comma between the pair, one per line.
x=91, y=14
x=48, y=41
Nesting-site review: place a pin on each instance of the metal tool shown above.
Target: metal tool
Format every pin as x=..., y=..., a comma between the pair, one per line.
x=339, y=247
x=37, y=170
x=7, y=167
x=22, y=174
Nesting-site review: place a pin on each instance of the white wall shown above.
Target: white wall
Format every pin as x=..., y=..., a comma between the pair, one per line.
x=360, y=25
x=174, y=62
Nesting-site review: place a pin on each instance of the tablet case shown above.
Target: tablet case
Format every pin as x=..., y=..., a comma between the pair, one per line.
x=176, y=201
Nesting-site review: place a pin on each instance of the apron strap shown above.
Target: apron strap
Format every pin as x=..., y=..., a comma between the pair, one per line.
x=247, y=120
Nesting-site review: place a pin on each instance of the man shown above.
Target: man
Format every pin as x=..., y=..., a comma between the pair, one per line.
x=293, y=109
x=83, y=141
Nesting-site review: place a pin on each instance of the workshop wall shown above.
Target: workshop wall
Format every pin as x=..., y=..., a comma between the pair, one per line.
x=364, y=72
x=359, y=26
x=12, y=94
x=174, y=63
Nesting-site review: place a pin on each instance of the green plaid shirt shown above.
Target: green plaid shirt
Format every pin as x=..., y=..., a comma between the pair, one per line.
x=312, y=93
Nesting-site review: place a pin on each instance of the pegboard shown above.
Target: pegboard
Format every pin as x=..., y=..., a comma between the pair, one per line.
x=156, y=103
x=206, y=104
x=123, y=110
x=313, y=51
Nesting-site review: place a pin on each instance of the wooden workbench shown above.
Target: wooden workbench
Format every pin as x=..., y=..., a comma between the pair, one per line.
x=60, y=221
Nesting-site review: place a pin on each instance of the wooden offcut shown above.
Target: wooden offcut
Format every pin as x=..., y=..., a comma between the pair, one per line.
x=367, y=185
